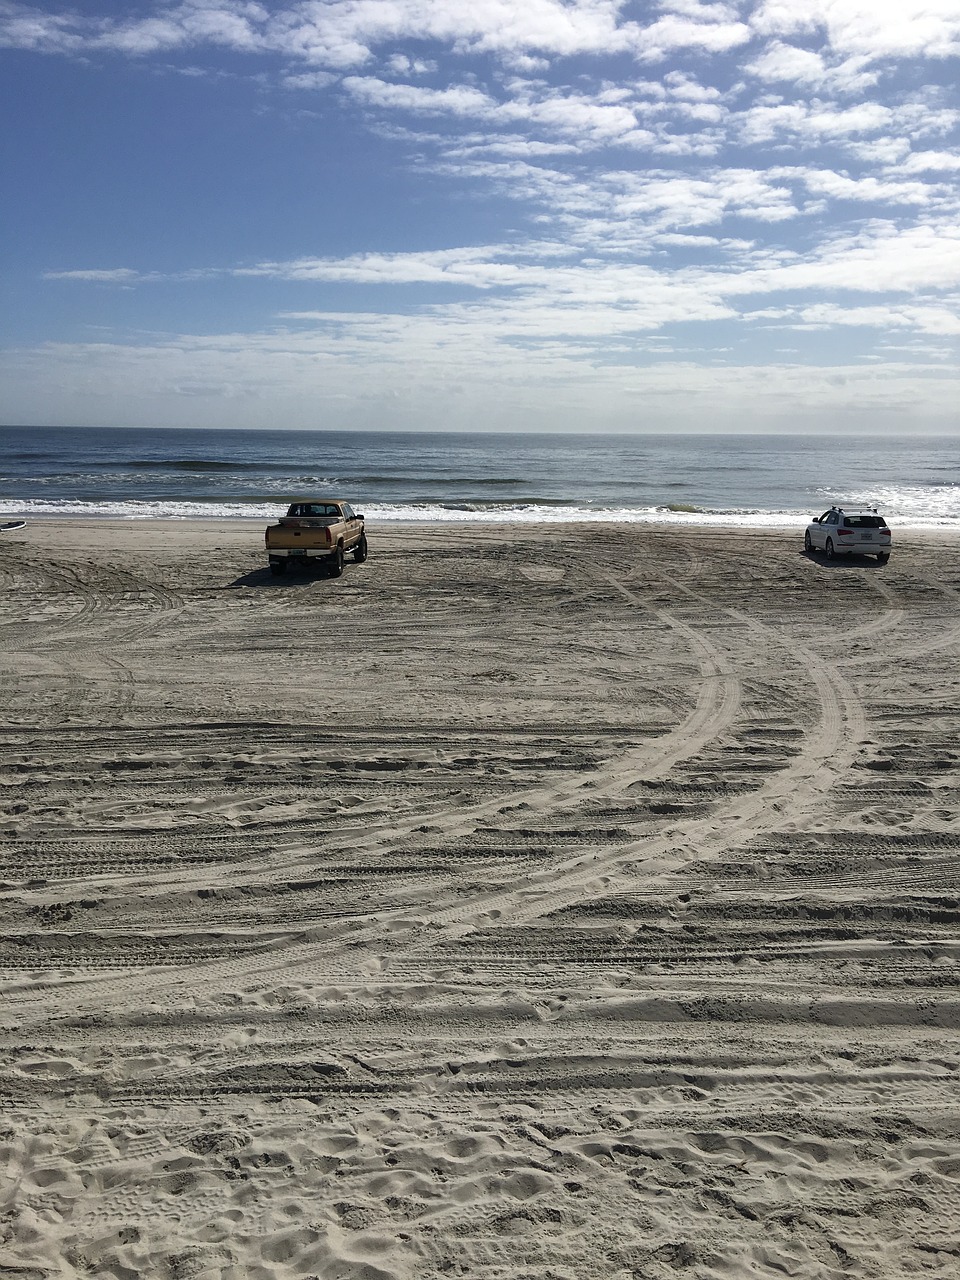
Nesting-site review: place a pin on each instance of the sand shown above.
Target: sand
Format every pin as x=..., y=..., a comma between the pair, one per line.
x=574, y=902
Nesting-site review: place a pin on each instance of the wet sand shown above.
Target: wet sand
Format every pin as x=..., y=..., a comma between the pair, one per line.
x=574, y=902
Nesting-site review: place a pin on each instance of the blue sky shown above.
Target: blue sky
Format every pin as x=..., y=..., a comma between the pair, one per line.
x=483, y=214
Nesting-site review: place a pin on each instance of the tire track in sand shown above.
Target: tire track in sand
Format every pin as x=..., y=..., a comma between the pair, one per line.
x=775, y=804
x=718, y=701
x=94, y=678
x=716, y=707
x=826, y=753
x=527, y=897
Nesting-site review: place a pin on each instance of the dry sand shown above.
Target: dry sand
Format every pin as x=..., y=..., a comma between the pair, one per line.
x=576, y=903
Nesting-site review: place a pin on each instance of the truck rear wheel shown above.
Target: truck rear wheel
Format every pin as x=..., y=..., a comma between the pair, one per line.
x=360, y=550
x=277, y=567
x=335, y=563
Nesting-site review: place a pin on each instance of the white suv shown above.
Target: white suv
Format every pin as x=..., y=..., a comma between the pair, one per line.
x=849, y=530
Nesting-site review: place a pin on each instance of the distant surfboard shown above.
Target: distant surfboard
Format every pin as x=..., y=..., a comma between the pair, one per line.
x=12, y=524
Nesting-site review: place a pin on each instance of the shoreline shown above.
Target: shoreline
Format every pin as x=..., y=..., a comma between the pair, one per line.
x=719, y=523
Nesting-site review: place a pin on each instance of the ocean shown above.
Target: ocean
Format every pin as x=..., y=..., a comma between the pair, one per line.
x=683, y=479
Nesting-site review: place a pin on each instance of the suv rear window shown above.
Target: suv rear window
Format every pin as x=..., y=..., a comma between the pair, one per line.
x=864, y=522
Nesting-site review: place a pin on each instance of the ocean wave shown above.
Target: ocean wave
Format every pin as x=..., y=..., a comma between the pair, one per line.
x=198, y=465
x=447, y=481
x=436, y=513
x=929, y=503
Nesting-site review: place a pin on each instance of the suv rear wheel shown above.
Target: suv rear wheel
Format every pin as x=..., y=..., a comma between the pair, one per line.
x=828, y=549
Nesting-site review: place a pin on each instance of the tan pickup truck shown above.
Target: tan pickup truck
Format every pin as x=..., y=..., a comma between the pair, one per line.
x=322, y=530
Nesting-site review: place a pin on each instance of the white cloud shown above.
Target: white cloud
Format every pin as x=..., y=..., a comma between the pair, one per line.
x=881, y=258
x=931, y=162
x=668, y=200
x=840, y=186
x=674, y=32
x=401, y=65
x=872, y=29
x=682, y=85
x=688, y=241
x=941, y=321
x=548, y=291
x=459, y=100
x=22, y=27
x=309, y=80
x=477, y=268
x=813, y=121
x=505, y=144
x=787, y=63
x=561, y=114
x=348, y=34
x=525, y=63
x=113, y=275
x=884, y=151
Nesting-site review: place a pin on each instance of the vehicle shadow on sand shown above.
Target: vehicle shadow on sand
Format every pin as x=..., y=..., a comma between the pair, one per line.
x=299, y=577
x=850, y=561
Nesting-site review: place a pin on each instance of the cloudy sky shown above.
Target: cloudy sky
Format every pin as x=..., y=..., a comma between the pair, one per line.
x=482, y=214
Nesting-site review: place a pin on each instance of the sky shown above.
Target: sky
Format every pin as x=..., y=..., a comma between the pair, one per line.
x=509, y=215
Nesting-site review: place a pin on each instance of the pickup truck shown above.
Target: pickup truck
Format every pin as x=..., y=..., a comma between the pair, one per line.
x=316, y=530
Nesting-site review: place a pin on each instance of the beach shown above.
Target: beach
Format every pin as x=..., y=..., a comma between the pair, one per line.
x=544, y=901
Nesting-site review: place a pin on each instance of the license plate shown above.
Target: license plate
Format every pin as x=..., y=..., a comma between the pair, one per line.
x=297, y=551
x=866, y=536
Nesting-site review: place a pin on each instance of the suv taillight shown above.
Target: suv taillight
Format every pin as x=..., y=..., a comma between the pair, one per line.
x=884, y=533
x=844, y=532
